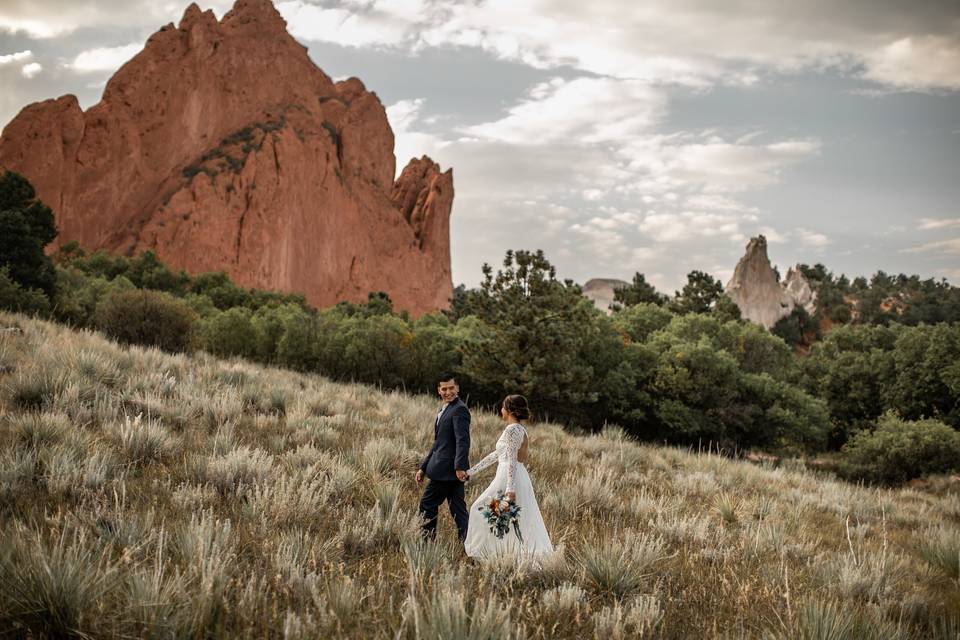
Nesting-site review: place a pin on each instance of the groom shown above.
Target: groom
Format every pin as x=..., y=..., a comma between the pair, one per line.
x=446, y=464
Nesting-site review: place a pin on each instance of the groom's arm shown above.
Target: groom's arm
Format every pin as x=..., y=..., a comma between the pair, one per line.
x=461, y=431
x=423, y=465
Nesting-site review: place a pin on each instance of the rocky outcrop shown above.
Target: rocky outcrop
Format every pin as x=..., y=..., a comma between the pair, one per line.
x=601, y=291
x=798, y=288
x=221, y=146
x=754, y=287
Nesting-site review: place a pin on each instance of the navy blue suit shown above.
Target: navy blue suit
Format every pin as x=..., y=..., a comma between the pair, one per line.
x=450, y=451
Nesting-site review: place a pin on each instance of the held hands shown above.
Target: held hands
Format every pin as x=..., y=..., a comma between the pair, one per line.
x=462, y=475
x=419, y=477
x=511, y=496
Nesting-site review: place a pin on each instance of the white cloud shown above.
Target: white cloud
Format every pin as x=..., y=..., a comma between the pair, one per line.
x=104, y=58
x=37, y=29
x=409, y=143
x=31, y=69
x=358, y=25
x=810, y=238
x=589, y=110
x=15, y=57
x=555, y=151
x=691, y=42
x=917, y=63
x=773, y=236
x=950, y=247
x=404, y=113
x=719, y=166
x=57, y=18
x=939, y=223
x=682, y=226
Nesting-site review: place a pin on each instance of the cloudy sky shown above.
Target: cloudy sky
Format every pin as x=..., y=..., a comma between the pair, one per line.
x=618, y=135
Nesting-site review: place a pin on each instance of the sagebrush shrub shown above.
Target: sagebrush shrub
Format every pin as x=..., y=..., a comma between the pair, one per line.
x=150, y=318
x=900, y=450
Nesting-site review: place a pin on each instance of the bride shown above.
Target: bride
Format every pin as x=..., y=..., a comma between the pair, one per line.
x=510, y=454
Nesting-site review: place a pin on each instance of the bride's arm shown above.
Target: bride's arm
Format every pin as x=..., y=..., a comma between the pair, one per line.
x=488, y=460
x=514, y=437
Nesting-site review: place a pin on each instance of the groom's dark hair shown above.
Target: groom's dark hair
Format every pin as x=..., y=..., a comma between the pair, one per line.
x=446, y=377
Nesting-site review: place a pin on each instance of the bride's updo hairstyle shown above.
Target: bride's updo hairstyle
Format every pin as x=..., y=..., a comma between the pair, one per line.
x=516, y=405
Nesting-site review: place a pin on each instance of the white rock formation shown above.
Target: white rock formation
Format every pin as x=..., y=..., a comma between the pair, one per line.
x=601, y=290
x=798, y=287
x=755, y=289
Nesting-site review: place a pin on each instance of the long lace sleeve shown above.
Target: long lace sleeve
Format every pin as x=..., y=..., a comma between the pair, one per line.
x=514, y=438
x=488, y=460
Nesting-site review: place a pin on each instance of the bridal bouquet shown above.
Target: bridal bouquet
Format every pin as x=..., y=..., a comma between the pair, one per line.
x=502, y=514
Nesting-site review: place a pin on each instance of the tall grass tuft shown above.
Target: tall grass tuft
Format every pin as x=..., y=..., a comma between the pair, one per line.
x=637, y=619
x=154, y=594
x=618, y=567
x=18, y=469
x=339, y=598
x=446, y=615
x=940, y=548
x=727, y=507
x=565, y=600
x=425, y=558
x=816, y=620
x=241, y=466
x=143, y=442
x=36, y=387
x=205, y=549
x=53, y=588
x=382, y=455
x=38, y=430
x=289, y=500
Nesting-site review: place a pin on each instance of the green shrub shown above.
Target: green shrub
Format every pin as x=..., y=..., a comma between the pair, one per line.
x=14, y=297
x=641, y=320
x=230, y=333
x=899, y=450
x=150, y=318
x=26, y=227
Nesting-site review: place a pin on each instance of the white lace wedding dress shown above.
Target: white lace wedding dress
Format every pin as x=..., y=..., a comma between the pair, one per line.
x=511, y=476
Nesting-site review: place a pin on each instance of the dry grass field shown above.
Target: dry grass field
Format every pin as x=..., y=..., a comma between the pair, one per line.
x=151, y=495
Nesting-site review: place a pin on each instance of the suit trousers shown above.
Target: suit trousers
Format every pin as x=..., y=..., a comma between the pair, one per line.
x=433, y=496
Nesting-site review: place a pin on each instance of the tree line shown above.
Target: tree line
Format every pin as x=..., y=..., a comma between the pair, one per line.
x=682, y=369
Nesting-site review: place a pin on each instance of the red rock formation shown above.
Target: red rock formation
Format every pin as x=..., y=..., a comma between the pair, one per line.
x=221, y=146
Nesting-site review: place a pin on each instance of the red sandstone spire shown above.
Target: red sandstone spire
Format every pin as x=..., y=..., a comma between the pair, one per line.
x=221, y=146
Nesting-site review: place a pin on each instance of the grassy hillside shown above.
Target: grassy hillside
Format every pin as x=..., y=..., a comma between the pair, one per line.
x=149, y=495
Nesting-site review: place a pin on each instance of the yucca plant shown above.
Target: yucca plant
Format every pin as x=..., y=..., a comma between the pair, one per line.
x=446, y=615
x=619, y=569
x=39, y=430
x=816, y=620
x=940, y=548
x=726, y=506
x=425, y=558
x=53, y=588
x=18, y=468
x=36, y=387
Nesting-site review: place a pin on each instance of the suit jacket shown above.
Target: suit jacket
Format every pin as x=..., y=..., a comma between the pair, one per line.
x=451, y=443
